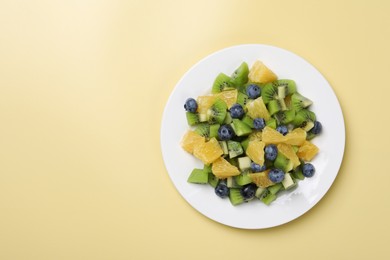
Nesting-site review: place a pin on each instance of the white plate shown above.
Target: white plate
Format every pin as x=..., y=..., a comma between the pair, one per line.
x=289, y=205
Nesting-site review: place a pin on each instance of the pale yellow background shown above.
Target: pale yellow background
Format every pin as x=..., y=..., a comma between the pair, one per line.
x=83, y=85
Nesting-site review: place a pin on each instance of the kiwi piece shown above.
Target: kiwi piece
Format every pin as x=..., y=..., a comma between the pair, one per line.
x=231, y=183
x=308, y=126
x=224, y=147
x=245, y=143
x=269, y=92
x=222, y=82
x=248, y=120
x=302, y=117
x=192, y=118
x=234, y=149
x=244, y=163
x=233, y=161
x=259, y=192
x=198, y=176
x=213, y=132
x=213, y=180
x=240, y=128
x=203, y=130
x=285, y=117
x=268, y=198
x=310, y=136
x=297, y=174
x=288, y=182
x=276, y=105
x=207, y=168
x=271, y=123
x=240, y=75
x=217, y=112
x=242, y=99
x=300, y=102
x=235, y=197
x=275, y=188
x=243, y=179
x=283, y=163
x=285, y=87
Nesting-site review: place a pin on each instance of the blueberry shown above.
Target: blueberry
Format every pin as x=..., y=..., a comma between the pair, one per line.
x=191, y=105
x=276, y=175
x=225, y=132
x=253, y=91
x=308, y=170
x=317, y=128
x=257, y=167
x=282, y=129
x=237, y=111
x=271, y=152
x=222, y=190
x=248, y=191
x=259, y=123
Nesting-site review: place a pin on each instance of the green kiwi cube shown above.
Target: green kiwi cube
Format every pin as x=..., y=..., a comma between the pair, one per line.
x=233, y=161
x=192, y=118
x=235, y=197
x=269, y=92
x=242, y=99
x=271, y=123
x=240, y=75
x=275, y=188
x=241, y=128
x=243, y=179
x=297, y=174
x=244, y=163
x=248, y=120
x=231, y=183
x=285, y=117
x=268, y=199
x=288, y=182
x=224, y=147
x=198, y=176
x=217, y=112
x=245, y=144
x=222, y=82
x=300, y=102
x=203, y=129
x=234, y=148
x=273, y=107
x=214, y=130
x=228, y=119
x=307, y=126
x=213, y=180
x=283, y=163
x=259, y=192
x=207, y=168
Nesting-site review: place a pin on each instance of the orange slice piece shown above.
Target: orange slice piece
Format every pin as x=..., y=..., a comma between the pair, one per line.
x=223, y=169
x=307, y=151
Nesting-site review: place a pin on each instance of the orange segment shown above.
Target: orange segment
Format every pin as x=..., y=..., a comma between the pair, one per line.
x=223, y=169
x=271, y=136
x=208, y=152
x=307, y=151
x=229, y=96
x=255, y=151
x=296, y=137
x=204, y=103
x=261, y=74
x=255, y=135
x=257, y=109
x=261, y=179
x=190, y=140
x=288, y=151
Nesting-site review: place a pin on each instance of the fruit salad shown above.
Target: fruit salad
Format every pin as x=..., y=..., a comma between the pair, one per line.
x=253, y=134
